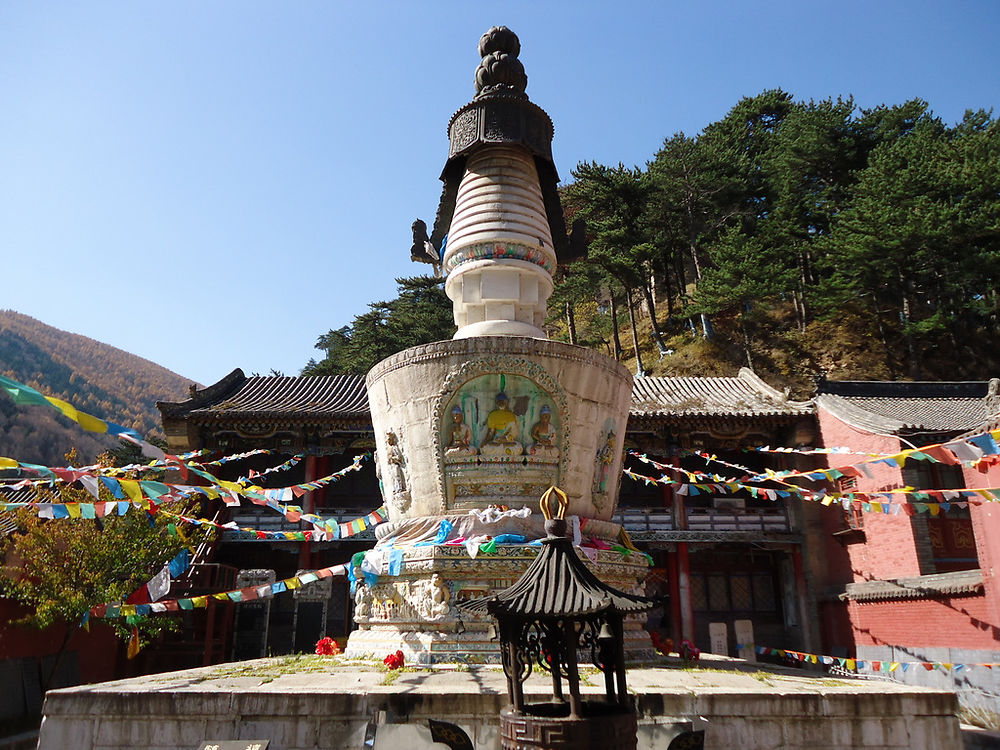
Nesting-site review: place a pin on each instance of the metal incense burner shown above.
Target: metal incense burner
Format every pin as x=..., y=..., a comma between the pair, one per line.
x=555, y=612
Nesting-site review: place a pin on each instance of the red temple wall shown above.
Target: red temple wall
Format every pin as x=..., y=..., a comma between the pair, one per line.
x=956, y=622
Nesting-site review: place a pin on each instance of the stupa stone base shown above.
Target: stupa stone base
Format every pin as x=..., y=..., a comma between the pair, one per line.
x=496, y=420
x=415, y=611
x=308, y=703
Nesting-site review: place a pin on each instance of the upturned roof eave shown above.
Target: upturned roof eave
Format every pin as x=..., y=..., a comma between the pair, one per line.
x=580, y=593
x=223, y=388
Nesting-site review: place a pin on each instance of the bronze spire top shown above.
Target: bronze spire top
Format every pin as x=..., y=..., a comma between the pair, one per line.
x=500, y=72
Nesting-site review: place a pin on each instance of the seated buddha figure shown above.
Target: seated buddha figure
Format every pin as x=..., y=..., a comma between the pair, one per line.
x=501, y=430
x=459, y=435
x=543, y=434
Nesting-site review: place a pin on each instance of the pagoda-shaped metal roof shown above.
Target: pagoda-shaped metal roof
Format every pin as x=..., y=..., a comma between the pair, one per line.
x=558, y=584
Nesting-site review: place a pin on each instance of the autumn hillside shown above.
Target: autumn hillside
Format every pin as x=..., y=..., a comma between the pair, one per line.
x=96, y=378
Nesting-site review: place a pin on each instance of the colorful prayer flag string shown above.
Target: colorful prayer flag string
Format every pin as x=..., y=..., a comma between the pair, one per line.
x=25, y=395
x=859, y=665
x=250, y=593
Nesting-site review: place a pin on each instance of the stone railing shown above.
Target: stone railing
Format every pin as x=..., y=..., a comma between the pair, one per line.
x=643, y=521
x=752, y=519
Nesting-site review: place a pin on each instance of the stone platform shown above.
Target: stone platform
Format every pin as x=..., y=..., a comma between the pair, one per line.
x=307, y=702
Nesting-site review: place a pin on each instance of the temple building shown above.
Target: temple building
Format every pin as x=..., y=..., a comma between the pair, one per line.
x=917, y=586
x=719, y=558
x=807, y=577
x=468, y=433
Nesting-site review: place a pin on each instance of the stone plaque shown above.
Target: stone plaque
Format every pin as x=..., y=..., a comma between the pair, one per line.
x=309, y=618
x=250, y=630
x=718, y=635
x=234, y=745
x=744, y=638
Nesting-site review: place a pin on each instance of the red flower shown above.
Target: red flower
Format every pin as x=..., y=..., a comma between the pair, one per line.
x=664, y=645
x=394, y=661
x=689, y=652
x=327, y=647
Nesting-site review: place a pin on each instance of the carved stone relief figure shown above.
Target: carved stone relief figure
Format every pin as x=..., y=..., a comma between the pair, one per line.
x=439, y=600
x=362, y=602
x=398, y=485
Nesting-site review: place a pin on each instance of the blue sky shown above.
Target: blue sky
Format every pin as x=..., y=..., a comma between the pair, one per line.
x=215, y=184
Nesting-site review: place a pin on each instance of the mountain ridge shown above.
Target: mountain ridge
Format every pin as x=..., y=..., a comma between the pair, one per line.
x=95, y=377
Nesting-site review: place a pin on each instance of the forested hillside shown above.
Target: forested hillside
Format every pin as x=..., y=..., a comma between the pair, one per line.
x=96, y=378
x=799, y=238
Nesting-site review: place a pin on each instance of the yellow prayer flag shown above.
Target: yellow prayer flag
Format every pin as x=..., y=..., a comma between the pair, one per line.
x=133, y=644
x=221, y=597
x=293, y=583
x=131, y=488
x=74, y=509
x=199, y=601
x=86, y=421
x=8, y=463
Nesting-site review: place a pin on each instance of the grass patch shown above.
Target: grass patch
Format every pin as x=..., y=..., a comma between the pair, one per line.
x=391, y=677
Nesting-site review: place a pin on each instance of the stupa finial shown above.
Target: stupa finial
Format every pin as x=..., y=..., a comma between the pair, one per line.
x=500, y=72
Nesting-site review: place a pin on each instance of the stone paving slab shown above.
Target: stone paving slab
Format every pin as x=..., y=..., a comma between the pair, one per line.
x=307, y=702
x=316, y=674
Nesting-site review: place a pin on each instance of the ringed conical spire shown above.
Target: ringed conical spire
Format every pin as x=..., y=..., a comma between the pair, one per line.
x=499, y=210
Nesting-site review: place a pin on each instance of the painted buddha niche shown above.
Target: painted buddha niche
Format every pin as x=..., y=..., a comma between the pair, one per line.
x=459, y=436
x=543, y=434
x=501, y=430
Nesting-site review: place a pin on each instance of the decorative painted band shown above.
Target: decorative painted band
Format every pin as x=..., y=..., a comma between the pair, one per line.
x=499, y=251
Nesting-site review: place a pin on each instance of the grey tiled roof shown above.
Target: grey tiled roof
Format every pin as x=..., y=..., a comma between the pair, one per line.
x=7, y=495
x=901, y=407
x=7, y=522
x=873, y=405
x=238, y=396
x=959, y=583
x=745, y=395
